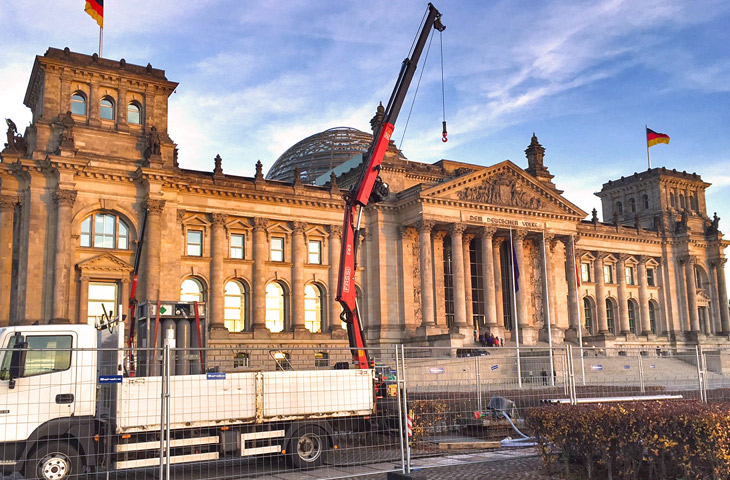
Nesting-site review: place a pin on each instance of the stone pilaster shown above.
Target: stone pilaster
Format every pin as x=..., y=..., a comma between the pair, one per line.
x=643, y=298
x=689, y=270
x=152, y=246
x=600, y=294
x=498, y=293
x=7, y=210
x=427, y=304
x=439, y=285
x=487, y=238
x=722, y=294
x=466, y=241
x=216, y=297
x=297, y=275
x=623, y=301
x=521, y=283
x=335, y=244
x=572, y=272
x=64, y=201
x=457, y=256
x=84, y=299
x=258, y=287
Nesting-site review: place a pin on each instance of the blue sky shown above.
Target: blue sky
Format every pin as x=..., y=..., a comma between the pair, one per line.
x=256, y=77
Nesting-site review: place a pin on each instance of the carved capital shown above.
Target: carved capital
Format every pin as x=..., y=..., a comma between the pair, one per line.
x=219, y=219
x=335, y=231
x=260, y=223
x=425, y=226
x=439, y=235
x=8, y=202
x=299, y=227
x=690, y=259
x=488, y=232
x=155, y=206
x=520, y=235
x=643, y=259
x=180, y=215
x=466, y=239
x=65, y=198
x=457, y=229
x=497, y=242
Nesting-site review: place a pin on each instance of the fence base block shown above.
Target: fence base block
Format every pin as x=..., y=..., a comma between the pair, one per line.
x=406, y=476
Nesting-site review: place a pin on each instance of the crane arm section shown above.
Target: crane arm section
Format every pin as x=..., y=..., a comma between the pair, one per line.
x=371, y=189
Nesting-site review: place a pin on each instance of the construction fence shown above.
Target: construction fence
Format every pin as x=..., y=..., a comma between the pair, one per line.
x=306, y=413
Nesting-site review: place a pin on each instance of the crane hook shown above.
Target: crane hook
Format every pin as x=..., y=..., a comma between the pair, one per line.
x=444, y=133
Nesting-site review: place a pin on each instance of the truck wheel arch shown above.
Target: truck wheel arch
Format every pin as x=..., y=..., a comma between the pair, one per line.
x=78, y=431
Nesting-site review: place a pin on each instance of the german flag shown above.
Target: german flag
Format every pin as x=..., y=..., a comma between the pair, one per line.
x=95, y=8
x=652, y=137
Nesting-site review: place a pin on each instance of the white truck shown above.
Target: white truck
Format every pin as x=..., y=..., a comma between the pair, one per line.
x=67, y=407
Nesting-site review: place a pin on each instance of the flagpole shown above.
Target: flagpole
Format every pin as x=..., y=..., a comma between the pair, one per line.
x=547, y=308
x=514, y=307
x=577, y=308
x=101, y=37
x=648, y=156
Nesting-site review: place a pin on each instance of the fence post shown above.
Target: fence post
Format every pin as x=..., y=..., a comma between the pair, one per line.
x=701, y=373
x=479, y=383
x=641, y=374
x=571, y=375
x=400, y=374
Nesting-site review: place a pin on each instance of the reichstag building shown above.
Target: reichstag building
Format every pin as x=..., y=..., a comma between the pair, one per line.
x=261, y=254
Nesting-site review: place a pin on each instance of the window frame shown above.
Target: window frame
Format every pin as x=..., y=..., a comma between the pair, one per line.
x=630, y=275
x=242, y=247
x=585, y=272
x=608, y=274
x=85, y=103
x=107, y=108
x=650, y=278
x=239, y=323
x=136, y=105
x=276, y=240
x=189, y=244
x=313, y=325
x=317, y=253
x=91, y=234
x=201, y=290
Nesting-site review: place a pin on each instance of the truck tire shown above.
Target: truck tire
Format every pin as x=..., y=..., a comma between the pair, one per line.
x=307, y=447
x=54, y=461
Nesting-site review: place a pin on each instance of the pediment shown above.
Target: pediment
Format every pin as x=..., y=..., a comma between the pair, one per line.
x=504, y=185
x=106, y=262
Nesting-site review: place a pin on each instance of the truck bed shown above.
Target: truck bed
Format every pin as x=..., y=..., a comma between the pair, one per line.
x=245, y=397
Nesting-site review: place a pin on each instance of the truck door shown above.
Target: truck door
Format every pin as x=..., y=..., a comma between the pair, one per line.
x=46, y=389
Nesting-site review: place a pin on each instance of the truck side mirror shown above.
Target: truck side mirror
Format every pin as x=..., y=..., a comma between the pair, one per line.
x=17, y=360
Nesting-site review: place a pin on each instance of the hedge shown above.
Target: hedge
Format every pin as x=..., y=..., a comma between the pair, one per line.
x=649, y=440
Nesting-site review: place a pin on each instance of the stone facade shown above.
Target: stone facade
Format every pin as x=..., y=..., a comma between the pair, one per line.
x=436, y=260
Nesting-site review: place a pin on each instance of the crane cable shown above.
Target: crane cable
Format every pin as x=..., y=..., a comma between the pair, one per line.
x=444, y=134
x=415, y=94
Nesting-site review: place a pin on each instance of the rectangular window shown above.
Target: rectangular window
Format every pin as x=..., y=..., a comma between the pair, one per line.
x=630, y=275
x=321, y=360
x=277, y=249
x=237, y=246
x=315, y=252
x=195, y=243
x=241, y=359
x=608, y=274
x=46, y=354
x=585, y=272
x=102, y=298
x=650, y=277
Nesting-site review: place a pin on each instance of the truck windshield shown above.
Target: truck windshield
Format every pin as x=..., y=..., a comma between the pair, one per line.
x=7, y=353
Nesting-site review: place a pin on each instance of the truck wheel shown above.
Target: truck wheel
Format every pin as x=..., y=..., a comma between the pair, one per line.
x=54, y=461
x=307, y=447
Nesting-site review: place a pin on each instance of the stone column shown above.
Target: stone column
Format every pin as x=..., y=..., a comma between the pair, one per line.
x=488, y=273
x=152, y=246
x=689, y=270
x=521, y=284
x=335, y=244
x=94, y=107
x=439, y=280
x=722, y=295
x=643, y=298
x=84, y=299
x=427, y=312
x=216, y=296
x=600, y=293
x=7, y=210
x=623, y=301
x=297, y=275
x=498, y=294
x=466, y=240
x=122, y=110
x=573, y=307
x=64, y=200
x=457, y=255
x=258, y=287
x=548, y=294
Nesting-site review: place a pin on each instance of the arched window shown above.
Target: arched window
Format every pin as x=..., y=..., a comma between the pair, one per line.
x=191, y=290
x=78, y=104
x=274, y=307
x=652, y=316
x=610, y=316
x=645, y=201
x=620, y=208
x=106, y=108
x=632, y=316
x=104, y=230
x=632, y=205
x=313, y=308
x=235, y=306
x=134, y=113
x=588, y=314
